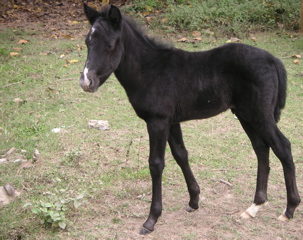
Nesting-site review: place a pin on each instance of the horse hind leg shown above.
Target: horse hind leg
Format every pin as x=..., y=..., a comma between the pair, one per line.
x=180, y=154
x=271, y=136
x=262, y=152
x=282, y=149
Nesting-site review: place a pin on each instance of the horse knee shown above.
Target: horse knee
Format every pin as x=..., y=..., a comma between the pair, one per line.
x=156, y=167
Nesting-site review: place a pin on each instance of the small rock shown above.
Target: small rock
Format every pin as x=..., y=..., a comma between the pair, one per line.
x=99, y=124
x=9, y=190
x=18, y=160
x=7, y=194
x=36, y=155
x=19, y=101
x=56, y=130
x=11, y=151
x=3, y=160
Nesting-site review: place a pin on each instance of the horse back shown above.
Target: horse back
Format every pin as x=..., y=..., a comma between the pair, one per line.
x=195, y=85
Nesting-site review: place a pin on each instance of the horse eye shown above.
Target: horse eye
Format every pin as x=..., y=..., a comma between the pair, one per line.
x=110, y=47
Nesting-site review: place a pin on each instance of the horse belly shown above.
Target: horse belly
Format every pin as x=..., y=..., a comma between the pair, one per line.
x=204, y=108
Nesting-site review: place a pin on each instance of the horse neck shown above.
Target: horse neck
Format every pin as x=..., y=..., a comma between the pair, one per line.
x=138, y=51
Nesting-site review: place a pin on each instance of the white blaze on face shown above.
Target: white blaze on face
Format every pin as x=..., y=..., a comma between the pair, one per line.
x=86, y=80
x=91, y=33
x=85, y=71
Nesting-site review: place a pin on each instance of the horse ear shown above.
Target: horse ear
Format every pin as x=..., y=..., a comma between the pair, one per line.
x=114, y=16
x=91, y=14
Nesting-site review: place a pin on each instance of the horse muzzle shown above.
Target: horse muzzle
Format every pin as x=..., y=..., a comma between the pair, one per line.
x=88, y=81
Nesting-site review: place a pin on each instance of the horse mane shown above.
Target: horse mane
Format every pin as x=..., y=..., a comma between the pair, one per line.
x=141, y=31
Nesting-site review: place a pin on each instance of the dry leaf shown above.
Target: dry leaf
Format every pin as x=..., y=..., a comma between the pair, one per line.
x=54, y=36
x=296, y=61
x=22, y=41
x=148, y=8
x=198, y=39
x=254, y=39
x=80, y=47
x=209, y=31
x=182, y=39
x=67, y=36
x=72, y=61
x=14, y=54
x=296, y=56
x=62, y=56
x=17, y=48
x=104, y=2
x=196, y=34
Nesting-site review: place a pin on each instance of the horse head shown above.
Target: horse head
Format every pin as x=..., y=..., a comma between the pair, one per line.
x=104, y=46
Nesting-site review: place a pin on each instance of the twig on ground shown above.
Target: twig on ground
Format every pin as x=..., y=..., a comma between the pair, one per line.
x=225, y=182
x=8, y=85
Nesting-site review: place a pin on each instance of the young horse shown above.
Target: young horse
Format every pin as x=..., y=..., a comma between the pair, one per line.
x=166, y=86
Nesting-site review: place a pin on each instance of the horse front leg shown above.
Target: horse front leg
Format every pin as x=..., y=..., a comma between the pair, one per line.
x=158, y=134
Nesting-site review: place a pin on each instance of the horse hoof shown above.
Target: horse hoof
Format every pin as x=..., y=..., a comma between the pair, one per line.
x=144, y=231
x=245, y=215
x=283, y=218
x=190, y=209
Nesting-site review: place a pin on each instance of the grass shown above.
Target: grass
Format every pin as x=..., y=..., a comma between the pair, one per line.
x=108, y=169
x=232, y=17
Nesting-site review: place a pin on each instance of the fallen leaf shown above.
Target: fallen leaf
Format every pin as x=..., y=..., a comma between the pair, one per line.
x=149, y=19
x=254, y=39
x=54, y=36
x=234, y=39
x=67, y=36
x=148, y=8
x=17, y=48
x=22, y=41
x=209, y=31
x=196, y=34
x=296, y=56
x=296, y=61
x=198, y=39
x=14, y=54
x=72, y=61
x=164, y=20
x=80, y=47
x=104, y=2
x=182, y=39
x=62, y=56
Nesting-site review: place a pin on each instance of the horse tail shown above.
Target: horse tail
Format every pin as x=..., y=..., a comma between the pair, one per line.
x=282, y=87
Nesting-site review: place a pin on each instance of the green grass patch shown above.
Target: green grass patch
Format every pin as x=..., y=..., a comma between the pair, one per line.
x=231, y=17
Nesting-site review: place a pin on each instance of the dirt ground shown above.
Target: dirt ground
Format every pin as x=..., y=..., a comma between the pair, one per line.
x=53, y=13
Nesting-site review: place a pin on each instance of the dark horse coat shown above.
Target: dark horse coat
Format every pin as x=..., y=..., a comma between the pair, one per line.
x=166, y=86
